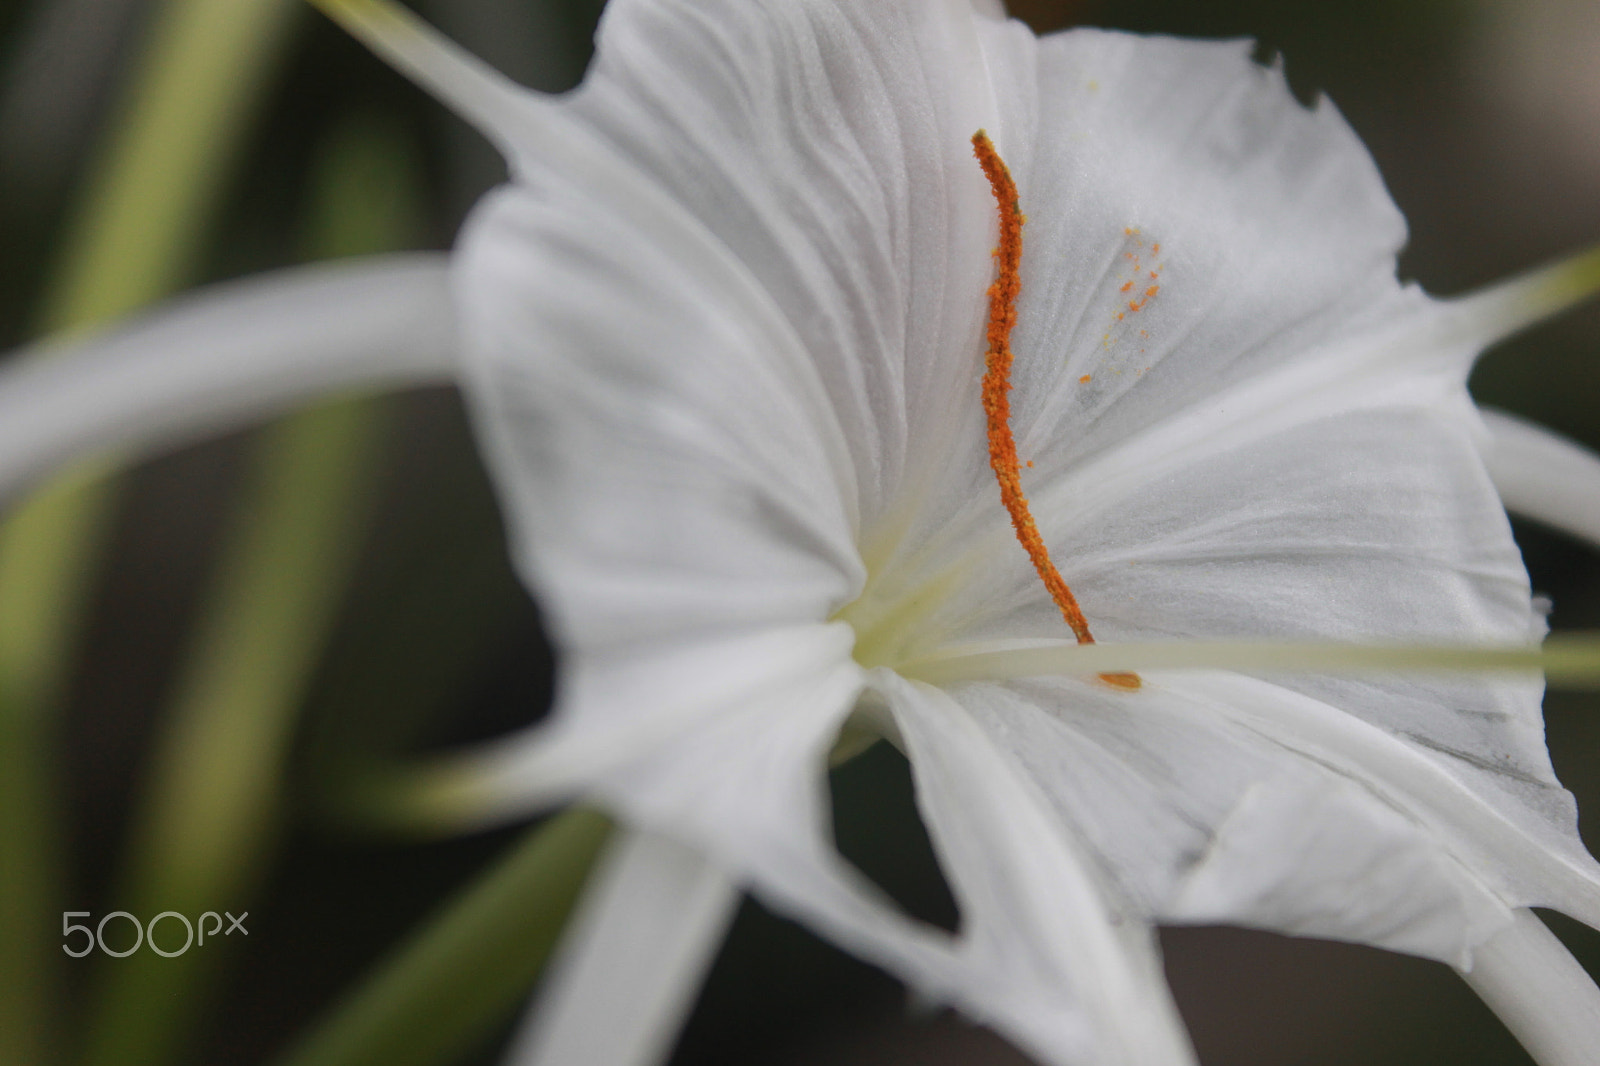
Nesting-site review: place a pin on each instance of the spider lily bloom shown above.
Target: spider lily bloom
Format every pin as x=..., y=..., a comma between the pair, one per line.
x=723, y=335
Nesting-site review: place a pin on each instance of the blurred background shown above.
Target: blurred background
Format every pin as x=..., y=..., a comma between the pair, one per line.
x=150, y=145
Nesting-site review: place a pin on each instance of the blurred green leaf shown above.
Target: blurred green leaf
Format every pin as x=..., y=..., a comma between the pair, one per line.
x=465, y=972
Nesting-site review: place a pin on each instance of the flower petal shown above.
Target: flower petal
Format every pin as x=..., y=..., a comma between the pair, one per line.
x=827, y=147
x=233, y=354
x=1515, y=831
x=1197, y=817
x=1544, y=475
x=667, y=460
x=1054, y=962
x=619, y=708
x=1540, y=991
x=632, y=959
x=1190, y=229
x=1182, y=167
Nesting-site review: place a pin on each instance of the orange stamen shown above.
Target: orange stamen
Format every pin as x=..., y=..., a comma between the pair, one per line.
x=997, y=404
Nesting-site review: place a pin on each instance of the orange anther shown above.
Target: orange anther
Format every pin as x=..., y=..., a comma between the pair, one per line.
x=1085, y=379
x=997, y=404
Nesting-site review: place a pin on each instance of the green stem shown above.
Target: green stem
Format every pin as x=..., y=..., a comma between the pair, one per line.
x=468, y=968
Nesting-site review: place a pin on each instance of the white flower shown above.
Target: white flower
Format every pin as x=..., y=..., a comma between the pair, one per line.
x=723, y=334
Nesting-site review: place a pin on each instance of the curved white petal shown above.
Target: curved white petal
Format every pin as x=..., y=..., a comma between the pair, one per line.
x=631, y=961
x=1056, y=963
x=1515, y=831
x=1196, y=819
x=1540, y=991
x=1544, y=475
x=234, y=353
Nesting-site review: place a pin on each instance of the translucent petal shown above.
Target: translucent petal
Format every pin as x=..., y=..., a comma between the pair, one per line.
x=1515, y=832
x=667, y=458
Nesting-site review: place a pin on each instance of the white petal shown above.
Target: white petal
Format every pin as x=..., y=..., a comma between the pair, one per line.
x=743, y=783
x=230, y=355
x=631, y=960
x=1197, y=819
x=1266, y=226
x=1541, y=992
x=667, y=457
x=1515, y=832
x=724, y=748
x=1054, y=963
x=827, y=147
x=1544, y=475
x=746, y=787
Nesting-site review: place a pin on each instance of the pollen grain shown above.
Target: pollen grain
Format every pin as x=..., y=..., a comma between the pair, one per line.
x=997, y=402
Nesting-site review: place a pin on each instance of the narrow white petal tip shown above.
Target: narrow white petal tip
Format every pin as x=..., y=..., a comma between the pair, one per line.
x=1495, y=313
x=1539, y=990
x=471, y=88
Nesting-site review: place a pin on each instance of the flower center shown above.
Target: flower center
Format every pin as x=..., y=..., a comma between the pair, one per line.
x=997, y=404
